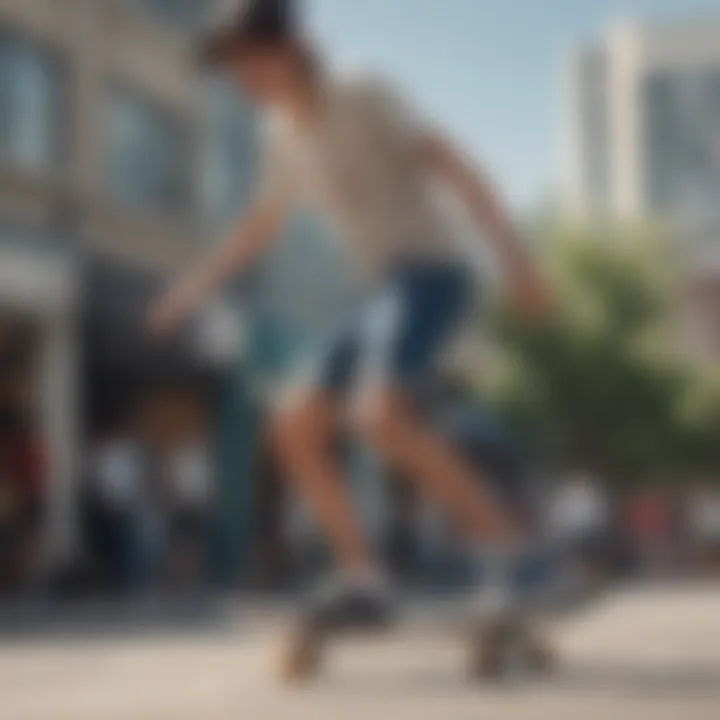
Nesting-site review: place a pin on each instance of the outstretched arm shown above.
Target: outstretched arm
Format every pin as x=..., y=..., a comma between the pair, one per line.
x=480, y=198
x=256, y=231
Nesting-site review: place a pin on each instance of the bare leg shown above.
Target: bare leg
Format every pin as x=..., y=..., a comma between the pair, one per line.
x=303, y=434
x=408, y=445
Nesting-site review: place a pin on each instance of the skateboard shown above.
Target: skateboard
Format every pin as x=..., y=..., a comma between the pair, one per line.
x=495, y=647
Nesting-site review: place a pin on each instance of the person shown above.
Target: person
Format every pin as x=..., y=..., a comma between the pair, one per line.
x=27, y=461
x=578, y=520
x=116, y=475
x=189, y=477
x=704, y=521
x=651, y=523
x=10, y=520
x=352, y=150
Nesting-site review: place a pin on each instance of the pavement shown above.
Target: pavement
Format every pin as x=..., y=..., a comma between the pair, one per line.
x=43, y=618
x=652, y=653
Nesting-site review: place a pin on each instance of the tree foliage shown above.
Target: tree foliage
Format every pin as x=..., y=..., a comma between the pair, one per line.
x=601, y=382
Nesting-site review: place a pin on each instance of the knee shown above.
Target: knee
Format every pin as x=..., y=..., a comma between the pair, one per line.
x=377, y=419
x=298, y=428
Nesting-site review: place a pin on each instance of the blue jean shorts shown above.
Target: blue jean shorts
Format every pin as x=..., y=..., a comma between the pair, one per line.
x=398, y=333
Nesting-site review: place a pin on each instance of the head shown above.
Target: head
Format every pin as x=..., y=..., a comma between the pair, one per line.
x=260, y=47
x=270, y=73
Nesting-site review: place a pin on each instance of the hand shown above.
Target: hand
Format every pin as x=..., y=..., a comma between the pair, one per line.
x=169, y=311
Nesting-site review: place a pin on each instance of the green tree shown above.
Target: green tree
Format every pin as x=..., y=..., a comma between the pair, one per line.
x=599, y=382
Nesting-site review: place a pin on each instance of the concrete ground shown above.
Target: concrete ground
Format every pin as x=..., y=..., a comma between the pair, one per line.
x=642, y=654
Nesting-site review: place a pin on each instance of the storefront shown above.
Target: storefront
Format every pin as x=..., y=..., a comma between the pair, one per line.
x=186, y=388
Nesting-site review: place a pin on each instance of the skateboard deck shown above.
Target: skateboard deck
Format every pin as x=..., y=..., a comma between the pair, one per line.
x=495, y=646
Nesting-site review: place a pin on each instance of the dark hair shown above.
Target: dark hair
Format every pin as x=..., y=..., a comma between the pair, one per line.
x=307, y=58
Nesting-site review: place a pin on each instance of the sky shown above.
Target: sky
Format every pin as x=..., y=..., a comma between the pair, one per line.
x=488, y=70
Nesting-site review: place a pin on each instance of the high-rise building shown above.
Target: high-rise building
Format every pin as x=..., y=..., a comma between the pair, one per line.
x=642, y=123
x=586, y=149
x=641, y=140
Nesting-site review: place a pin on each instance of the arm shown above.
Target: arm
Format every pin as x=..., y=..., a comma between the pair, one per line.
x=480, y=198
x=252, y=237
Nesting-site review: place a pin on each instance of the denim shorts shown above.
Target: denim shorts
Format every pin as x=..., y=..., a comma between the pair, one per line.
x=397, y=334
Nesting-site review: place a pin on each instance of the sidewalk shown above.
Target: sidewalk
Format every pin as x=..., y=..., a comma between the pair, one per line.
x=651, y=654
x=214, y=612
x=40, y=618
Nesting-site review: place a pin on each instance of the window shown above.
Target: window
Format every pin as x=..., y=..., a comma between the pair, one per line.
x=184, y=14
x=147, y=164
x=682, y=139
x=30, y=104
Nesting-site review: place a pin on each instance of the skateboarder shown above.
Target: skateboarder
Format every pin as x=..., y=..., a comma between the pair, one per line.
x=354, y=152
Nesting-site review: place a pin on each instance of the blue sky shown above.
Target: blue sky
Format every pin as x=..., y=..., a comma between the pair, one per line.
x=487, y=69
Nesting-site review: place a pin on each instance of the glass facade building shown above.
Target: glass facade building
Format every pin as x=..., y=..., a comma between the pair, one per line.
x=682, y=141
x=31, y=104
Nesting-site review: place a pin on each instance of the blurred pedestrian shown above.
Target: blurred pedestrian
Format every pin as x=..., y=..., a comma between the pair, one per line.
x=578, y=520
x=704, y=523
x=190, y=491
x=10, y=521
x=116, y=474
x=28, y=467
x=651, y=524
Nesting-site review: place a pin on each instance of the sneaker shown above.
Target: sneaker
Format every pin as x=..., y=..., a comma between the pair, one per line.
x=516, y=582
x=347, y=603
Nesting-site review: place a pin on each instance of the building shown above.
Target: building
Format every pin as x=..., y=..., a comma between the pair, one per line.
x=586, y=140
x=119, y=163
x=105, y=189
x=641, y=129
x=641, y=140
